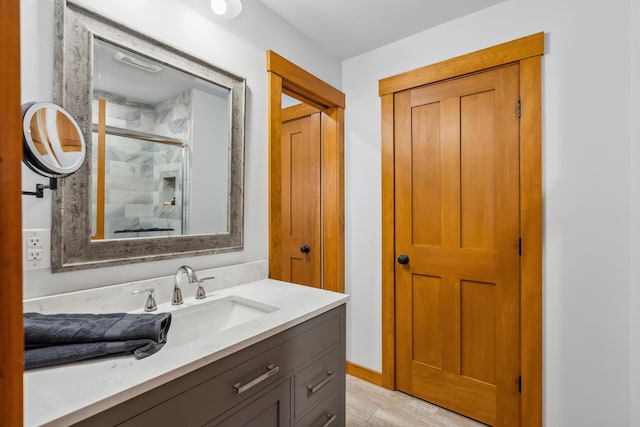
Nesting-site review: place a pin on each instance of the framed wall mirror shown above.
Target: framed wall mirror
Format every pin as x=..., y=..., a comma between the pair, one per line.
x=164, y=171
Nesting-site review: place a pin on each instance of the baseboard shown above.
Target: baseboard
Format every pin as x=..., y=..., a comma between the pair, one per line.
x=363, y=373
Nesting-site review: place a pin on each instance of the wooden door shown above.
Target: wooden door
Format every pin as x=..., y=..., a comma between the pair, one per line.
x=457, y=221
x=301, y=261
x=11, y=321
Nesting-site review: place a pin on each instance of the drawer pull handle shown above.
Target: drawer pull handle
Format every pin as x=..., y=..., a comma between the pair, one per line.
x=271, y=370
x=330, y=421
x=313, y=388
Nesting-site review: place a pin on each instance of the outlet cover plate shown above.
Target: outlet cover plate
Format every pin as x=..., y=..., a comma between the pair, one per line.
x=36, y=248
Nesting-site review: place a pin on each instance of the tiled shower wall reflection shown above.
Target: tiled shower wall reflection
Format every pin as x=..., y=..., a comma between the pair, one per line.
x=144, y=185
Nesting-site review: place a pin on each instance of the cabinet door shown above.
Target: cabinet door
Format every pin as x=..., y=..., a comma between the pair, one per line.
x=270, y=409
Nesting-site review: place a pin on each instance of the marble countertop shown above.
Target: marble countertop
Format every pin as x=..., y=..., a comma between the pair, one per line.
x=65, y=394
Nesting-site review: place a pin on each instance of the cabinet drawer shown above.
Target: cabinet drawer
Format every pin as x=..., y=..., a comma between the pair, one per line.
x=308, y=345
x=219, y=394
x=316, y=381
x=325, y=414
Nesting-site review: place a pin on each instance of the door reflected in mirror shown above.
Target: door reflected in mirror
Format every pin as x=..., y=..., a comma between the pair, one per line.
x=160, y=149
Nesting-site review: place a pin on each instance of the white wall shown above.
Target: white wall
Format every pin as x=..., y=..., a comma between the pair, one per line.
x=236, y=45
x=587, y=223
x=635, y=213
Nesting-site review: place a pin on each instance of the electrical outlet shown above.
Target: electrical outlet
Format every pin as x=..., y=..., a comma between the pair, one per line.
x=36, y=248
x=34, y=242
x=34, y=254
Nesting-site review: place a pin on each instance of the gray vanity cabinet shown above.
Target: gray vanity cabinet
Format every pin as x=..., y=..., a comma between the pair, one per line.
x=295, y=378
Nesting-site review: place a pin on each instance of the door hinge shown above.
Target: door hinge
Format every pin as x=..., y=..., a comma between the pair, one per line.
x=519, y=108
x=520, y=246
x=520, y=384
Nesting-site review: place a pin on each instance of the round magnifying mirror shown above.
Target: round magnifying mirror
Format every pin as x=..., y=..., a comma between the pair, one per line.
x=54, y=145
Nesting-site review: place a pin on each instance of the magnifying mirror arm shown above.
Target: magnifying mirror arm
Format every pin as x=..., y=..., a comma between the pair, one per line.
x=39, y=193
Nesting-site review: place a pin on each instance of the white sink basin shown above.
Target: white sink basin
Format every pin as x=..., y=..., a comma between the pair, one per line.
x=193, y=322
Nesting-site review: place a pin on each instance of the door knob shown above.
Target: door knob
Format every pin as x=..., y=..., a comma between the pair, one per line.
x=403, y=259
x=305, y=249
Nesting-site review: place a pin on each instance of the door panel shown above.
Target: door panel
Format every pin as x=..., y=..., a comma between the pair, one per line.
x=301, y=200
x=457, y=218
x=427, y=326
x=477, y=164
x=426, y=195
x=478, y=329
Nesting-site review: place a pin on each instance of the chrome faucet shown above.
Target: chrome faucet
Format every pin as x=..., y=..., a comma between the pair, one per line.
x=191, y=277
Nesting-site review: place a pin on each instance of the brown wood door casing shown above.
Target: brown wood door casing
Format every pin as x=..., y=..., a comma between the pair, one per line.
x=286, y=77
x=527, y=52
x=457, y=218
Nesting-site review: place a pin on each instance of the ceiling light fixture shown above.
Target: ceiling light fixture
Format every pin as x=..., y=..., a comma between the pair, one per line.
x=135, y=62
x=226, y=9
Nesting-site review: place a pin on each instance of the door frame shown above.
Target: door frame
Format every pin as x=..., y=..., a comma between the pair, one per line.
x=11, y=320
x=527, y=52
x=286, y=77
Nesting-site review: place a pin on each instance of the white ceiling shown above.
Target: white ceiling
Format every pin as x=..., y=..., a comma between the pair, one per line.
x=345, y=28
x=348, y=28
x=121, y=79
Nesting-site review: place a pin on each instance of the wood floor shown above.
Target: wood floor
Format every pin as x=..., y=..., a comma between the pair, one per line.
x=370, y=405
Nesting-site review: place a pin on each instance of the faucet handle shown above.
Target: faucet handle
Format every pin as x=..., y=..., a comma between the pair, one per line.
x=177, y=296
x=150, y=304
x=200, y=292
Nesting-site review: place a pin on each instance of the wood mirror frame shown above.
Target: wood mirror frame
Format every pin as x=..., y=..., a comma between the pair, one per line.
x=72, y=247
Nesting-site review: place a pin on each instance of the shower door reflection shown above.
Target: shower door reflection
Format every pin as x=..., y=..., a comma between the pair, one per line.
x=138, y=185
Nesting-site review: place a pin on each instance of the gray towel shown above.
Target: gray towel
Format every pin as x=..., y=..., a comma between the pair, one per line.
x=52, y=339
